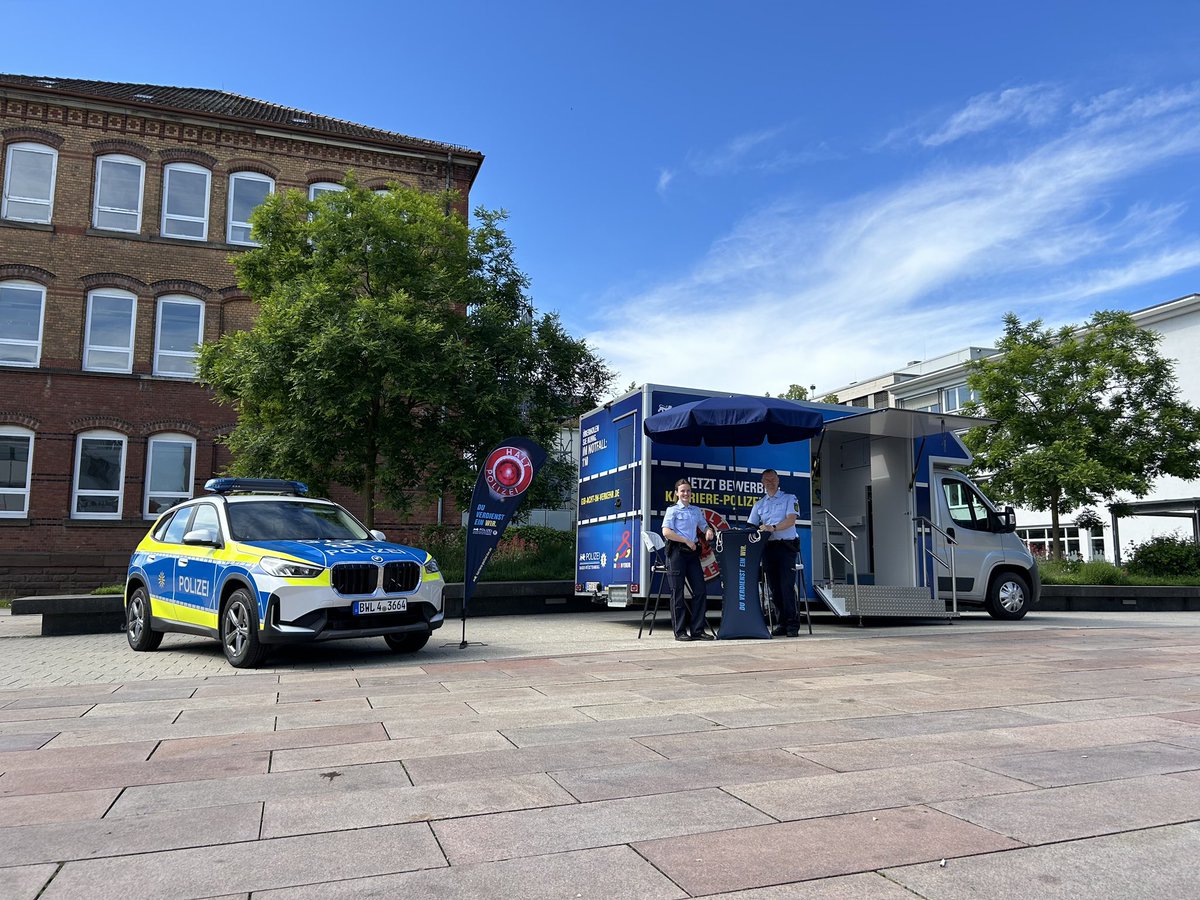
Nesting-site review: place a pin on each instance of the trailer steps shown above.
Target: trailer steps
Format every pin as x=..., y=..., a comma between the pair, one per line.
x=881, y=600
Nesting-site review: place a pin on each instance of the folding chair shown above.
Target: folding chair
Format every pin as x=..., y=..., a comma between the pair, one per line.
x=656, y=547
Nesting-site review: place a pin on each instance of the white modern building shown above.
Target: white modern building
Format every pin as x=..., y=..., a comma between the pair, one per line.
x=1173, y=505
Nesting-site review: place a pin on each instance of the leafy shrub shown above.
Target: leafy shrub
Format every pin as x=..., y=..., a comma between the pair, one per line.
x=1100, y=571
x=110, y=589
x=525, y=553
x=1165, y=556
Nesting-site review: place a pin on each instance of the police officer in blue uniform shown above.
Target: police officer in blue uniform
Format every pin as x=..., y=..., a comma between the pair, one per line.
x=681, y=526
x=775, y=516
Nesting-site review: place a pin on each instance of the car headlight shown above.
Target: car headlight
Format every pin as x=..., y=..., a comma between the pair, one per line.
x=289, y=568
x=431, y=566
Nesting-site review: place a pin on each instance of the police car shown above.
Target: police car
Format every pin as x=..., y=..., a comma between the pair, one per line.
x=258, y=563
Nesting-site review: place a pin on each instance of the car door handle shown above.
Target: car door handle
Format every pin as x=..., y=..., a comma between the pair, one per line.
x=183, y=563
x=150, y=557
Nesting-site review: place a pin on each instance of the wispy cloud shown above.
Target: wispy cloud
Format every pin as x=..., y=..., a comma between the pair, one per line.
x=765, y=151
x=850, y=289
x=1031, y=105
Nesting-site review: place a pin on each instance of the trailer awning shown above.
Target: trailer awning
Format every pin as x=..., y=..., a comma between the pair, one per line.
x=903, y=423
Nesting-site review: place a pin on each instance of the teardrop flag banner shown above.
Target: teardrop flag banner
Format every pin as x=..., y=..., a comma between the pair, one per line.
x=506, y=475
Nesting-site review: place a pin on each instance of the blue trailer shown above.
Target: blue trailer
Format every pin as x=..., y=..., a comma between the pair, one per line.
x=888, y=524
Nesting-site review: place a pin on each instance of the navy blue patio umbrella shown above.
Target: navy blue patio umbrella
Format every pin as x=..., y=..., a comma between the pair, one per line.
x=734, y=422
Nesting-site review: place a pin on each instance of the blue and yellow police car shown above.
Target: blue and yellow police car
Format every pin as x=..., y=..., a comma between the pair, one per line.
x=257, y=562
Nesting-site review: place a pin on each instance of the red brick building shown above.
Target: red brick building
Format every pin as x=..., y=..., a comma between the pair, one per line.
x=122, y=206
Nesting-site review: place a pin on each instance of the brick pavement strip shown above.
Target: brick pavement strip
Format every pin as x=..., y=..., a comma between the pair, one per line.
x=798, y=769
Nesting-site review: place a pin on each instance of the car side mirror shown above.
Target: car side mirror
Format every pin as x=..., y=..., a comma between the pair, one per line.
x=205, y=537
x=378, y=535
x=1008, y=521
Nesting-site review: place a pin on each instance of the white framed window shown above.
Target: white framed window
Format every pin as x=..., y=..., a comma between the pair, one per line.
x=29, y=173
x=108, y=345
x=185, y=201
x=956, y=397
x=99, y=475
x=323, y=187
x=119, y=183
x=246, y=191
x=170, y=472
x=16, y=462
x=179, y=331
x=22, y=313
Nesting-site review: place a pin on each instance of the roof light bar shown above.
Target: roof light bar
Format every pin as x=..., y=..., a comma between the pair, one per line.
x=255, y=486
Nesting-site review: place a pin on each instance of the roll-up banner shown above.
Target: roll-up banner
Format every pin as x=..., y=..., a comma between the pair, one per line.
x=507, y=473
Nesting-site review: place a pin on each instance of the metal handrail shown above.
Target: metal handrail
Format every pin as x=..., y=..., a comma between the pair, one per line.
x=951, y=542
x=852, y=559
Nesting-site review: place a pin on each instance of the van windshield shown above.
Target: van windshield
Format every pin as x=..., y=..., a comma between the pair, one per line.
x=289, y=520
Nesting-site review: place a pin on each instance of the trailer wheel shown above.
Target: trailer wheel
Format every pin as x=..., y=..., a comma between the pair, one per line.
x=1008, y=596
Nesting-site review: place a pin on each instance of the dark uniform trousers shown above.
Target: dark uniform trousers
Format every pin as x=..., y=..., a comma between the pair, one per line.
x=684, y=564
x=779, y=563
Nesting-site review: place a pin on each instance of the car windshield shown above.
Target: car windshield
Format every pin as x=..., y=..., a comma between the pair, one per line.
x=280, y=520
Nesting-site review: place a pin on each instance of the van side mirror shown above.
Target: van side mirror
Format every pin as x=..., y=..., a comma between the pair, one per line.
x=1008, y=521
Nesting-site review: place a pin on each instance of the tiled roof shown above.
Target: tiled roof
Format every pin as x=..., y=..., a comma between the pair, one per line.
x=224, y=105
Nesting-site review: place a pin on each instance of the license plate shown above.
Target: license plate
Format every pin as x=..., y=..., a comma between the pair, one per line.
x=367, y=607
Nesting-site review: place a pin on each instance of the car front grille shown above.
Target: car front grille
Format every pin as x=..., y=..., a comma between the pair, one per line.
x=401, y=577
x=355, y=578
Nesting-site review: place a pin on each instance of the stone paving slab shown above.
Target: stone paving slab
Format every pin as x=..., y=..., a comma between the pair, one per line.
x=522, y=761
x=590, y=874
x=311, y=814
x=663, y=776
x=169, y=830
x=24, y=882
x=10, y=743
x=1077, y=811
x=42, y=809
x=831, y=794
x=249, y=866
x=815, y=848
x=343, y=782
x=27, y=714
x=1095, y=764
x=71, y=757
x=387, y=751
x=222, y=745
x=47, y=781
x=585, y=825
x=1156, y=864
x=625, y=727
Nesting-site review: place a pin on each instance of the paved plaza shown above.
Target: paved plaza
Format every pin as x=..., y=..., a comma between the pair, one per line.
x=564, y=758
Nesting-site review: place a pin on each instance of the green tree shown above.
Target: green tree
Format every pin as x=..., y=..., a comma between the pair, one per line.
x=795, y=392
x=1082, y=415
x=395, y=344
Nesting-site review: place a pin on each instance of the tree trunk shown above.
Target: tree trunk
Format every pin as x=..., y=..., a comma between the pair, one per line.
x=1055, y=534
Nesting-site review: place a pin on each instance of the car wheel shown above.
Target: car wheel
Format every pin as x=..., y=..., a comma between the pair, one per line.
x=1008, y=596
x=239, y=631
x=409, y=642
x=137, y=622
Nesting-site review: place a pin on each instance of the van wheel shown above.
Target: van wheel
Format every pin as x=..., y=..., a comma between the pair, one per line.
x=239, y=631
x=1008, y=596
x=409, y=642
x=137, y=623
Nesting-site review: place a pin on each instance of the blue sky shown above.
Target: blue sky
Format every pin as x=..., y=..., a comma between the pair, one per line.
x=743, y=196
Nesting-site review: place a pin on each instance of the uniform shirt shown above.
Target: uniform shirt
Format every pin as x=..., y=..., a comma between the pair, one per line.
x=773, y=510
x=684, y=520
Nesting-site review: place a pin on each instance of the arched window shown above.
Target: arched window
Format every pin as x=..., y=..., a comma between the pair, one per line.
x=318, y=188
x=29, y=172
x=118, y=203
x=179, y=332
x=16, y=462
x=108, y=346
x=99, y=480
x=22, y=311
x=246, y=191
x=185, y=201
x=170, y=472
